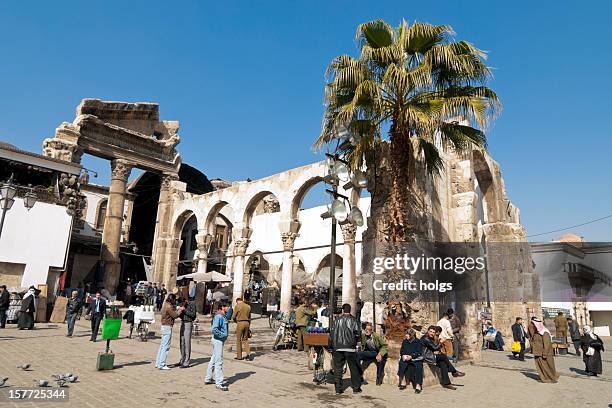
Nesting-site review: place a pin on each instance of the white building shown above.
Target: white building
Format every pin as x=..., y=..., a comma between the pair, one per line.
x=576, y=277
x=34, y=243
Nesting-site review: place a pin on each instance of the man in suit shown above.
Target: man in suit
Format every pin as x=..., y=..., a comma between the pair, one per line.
x=4, y=305
x=97, y=307
x=518, y=334
x=242, y=316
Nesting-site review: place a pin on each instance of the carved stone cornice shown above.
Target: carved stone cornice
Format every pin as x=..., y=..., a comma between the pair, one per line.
x=348, y=232
x=240, y=246
x=120, y=170
x=167, y=179
x=288, y=240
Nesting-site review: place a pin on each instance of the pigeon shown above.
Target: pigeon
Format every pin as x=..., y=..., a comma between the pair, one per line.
x=3, y=381
x=67, y=375
x=42, y=383
x=59, y=376
x=60, y=382
x=72, y=378
x=24, y=366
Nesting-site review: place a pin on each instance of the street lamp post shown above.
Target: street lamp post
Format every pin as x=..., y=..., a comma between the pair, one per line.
x=338, y=212
x=7, y=199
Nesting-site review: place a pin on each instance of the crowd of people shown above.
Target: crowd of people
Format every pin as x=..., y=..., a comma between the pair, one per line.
x=589, y=345
x=357, y=349
x=351, y=342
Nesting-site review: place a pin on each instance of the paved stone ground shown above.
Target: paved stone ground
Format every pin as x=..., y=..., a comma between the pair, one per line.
x=273, y=379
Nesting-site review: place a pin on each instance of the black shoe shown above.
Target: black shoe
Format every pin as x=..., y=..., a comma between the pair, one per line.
x=357, y=391
x=458, y=374
x=417, y=391
x=402, y=387
x=338, y=392
x=378, y=382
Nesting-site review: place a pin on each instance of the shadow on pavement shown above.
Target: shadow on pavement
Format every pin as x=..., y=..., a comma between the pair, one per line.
x=533, y=376
x=578, y=371
x=134, y=363
x=239, y=376
x=197, y=361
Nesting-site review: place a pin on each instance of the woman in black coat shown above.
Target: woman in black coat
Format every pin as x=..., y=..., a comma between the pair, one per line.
x=591, y=346
x=411, y=362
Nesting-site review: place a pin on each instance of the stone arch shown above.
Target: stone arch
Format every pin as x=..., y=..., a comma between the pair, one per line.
x=300, y=194
x=320, y=277
x=209, y=223
x=488, y=186
x=252, y=205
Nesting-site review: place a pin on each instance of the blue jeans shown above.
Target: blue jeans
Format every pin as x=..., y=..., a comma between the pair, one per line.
x=164, y=346
x=216, y=362
x=71, y=320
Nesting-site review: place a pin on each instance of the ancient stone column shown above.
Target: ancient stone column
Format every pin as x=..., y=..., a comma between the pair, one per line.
x=240, y=247
x=111, y=236
x=349, y=266
x=287, y=273
x=203, y=241
x=163, y=229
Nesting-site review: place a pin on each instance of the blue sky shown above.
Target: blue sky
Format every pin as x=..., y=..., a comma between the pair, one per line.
x=245, y=79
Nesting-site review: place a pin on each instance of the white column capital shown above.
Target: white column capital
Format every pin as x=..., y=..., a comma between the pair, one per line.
x=240, y=246
x=288, y=240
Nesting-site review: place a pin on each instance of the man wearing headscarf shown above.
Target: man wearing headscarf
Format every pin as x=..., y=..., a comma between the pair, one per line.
x=541, y=347
x=592, y=346
x=28, y=309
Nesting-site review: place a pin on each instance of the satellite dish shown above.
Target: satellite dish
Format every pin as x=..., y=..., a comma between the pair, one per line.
x=338, y=210
x=356, y=216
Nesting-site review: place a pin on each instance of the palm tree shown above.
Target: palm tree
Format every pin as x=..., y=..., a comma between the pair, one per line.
x=422, y=87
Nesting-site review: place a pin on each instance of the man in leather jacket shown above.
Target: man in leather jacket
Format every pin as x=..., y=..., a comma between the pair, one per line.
x=73, y=308
x=432, y=354
x=344, y=335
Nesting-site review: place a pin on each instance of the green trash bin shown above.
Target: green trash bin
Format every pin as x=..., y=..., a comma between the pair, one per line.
x=110, y=329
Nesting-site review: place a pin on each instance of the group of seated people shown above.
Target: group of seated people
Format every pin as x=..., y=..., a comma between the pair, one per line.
x=413, y=353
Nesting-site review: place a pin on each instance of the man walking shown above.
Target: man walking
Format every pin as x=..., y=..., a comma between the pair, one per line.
x=302, y=316
x=574, y=334
x=518, y=334
x=343, y=338
x=168, y=315
x=4, y=305
x=561, y=326
x=432, y=354
x=154, y=293
x=446, y=336
x=374, y=349
x=242, y=317
x=187, y=318
x=96, y=309
x=73, y=309
x=161, y=295
x=219, y=335
x=456, y=326
x=129, y=292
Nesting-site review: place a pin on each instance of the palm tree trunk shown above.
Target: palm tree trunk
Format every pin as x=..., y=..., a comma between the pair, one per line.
x=401, y=181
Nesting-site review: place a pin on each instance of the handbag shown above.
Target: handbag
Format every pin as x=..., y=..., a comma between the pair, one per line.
x=516, y=347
